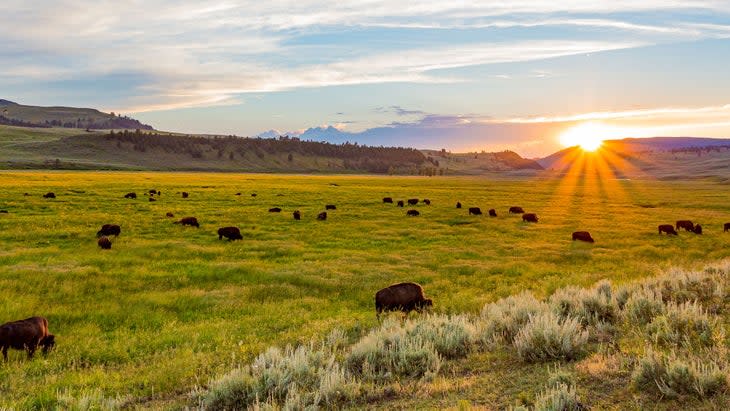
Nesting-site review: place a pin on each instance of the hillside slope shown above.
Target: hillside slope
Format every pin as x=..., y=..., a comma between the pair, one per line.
x=15, y=114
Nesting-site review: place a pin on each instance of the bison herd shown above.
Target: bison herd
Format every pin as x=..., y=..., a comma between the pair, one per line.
x=687, y=225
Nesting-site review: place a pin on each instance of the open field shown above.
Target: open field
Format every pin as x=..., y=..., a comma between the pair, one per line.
x=170, y=307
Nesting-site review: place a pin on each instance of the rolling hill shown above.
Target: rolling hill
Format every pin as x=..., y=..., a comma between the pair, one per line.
x=15, y=114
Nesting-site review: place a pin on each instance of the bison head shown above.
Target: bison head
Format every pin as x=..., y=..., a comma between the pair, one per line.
x=48, y=343
x=426, y=303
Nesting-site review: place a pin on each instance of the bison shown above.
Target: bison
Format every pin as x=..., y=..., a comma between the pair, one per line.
x=388, y=200
x=297, y=215
x=322, y=216
x=105, y=243
x=185, y=194
x=686, y=224
x=413, y=213
x=253, y=194
x=49, y=195
x=28, y=334
x=152, y=199
x=401, y=203
x=404, y=297
x=458, y=204
x=169, y=215
x=475, y=211
x=492, y=212
x=3, y=211
x=330, y=207
x=426, y=201
x=109, y=229
x=697, y=229
x=130, y=195
x=529, y=217
x=231, y=233
x=583, y=236
x=667, y=228
x=191, y=221
x=153, y=191
x=275, y=210
x=412, y=201
x=726, y=227
x=516, y=210
x=238, y=194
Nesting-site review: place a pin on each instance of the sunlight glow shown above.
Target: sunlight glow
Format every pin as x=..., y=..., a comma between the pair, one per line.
x=589, y=136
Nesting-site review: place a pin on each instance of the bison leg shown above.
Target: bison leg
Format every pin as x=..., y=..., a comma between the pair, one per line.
x=31, y=351
x=5, y=352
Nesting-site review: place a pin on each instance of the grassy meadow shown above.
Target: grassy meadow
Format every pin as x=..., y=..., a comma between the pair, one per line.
x=168, y=308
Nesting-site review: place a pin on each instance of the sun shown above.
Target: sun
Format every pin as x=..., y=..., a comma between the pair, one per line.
x=588, y=136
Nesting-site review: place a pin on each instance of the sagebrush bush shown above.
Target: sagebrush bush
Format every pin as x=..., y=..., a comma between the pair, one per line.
x=502, y=319
x=643, y=306
x=679, y=286
x=451, y=336
x=558, y=376
x=559, y=398
x=88, y=401
x=547, y=336
x=672, y=376
x=682, y=324
x=589, y=306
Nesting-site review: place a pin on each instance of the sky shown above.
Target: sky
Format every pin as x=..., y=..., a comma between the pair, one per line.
x=465, y=76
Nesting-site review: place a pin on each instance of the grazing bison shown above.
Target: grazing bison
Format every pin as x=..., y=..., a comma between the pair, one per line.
x=322, y=216
x=49, y=195
x=275, y=210
x=686, y=224
x=529, y=217
x=667, y=228
x=105, y=243
x=3, y=211
x=427, y=201
x=388, y=200
x=475, y=211
x=516, y=210
x=492, y=212
x=583, y=236
x=458, y=204
x=697, y=229
x=297, y=215
x=153, y=191
x=726, y=227
x=413, y=213
x=238, y=194
x=169, y=215
x=130, y=195
x=412, y=201
x=28, y=334
x=330, y=207
x=185, y=194
x=401, y=203
x=231, y=233
x=253, y=194
x=404, y=297
x=109, y=229
x=191, y=221
x=152, y=199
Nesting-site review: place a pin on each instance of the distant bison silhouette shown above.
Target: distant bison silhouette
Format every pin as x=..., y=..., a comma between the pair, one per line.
x=413, y=213
x=49, y=195
x=583, y=236
x=297, y=215
x=401, y=203
x=322, y=215
x=253, y=194
x=458, y=204
x=685, y=224
x=3, y=211
x=130, y=195
x=726, y=227
x=697, y=229
x=492, y=212
x=388, y=200
x=330, y=207
x=231, y=233
x=105, y=243
x=404, y=297
x=427, y=201
x=28, y=335
x=185, y=194
x=153, y=191
x=275, y=210
x=169, y=215
x=516, y=210
x=152, y=199
x=109, y=229
x=238, y=194
x=475, y=211
x=667, y=228
x=191, y=221
x=529, y=217
x=412, y=201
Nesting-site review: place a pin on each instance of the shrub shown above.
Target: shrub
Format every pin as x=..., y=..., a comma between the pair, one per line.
x=451, y=336
x=589, y=306
x=502, y=320
x=89, y=400
x=559, y=398
x=546, y=337
x=643, y=306
x=559, y=376
x=680, y=287
x=671, y=376
x=685, y=324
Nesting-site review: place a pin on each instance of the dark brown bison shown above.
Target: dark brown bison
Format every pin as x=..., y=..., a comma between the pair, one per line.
x=516, y=210
x=253, y=194
x=475, y=211
x=185, y=194
x=238, y=194
x=322, y=216
x=109, y=229
x=130, y=195
x=3, y=211
x=330, y=207
x=667, y=228
x=169, y=215
x=426, y=201
x=413, y=213
x=105, y=243
x=231, y=233
x=404, y=297
x=49, y=195
x=726, y=227
x=275, y=210
x=412, y=201
x=153, y=191
x=401, y=203
x=191, y=221
x=28, y=334
x=686, y=224
x=152, y=199
x=458, y=204
x=583, y=236
x=697, y=229
x=529, y=217
x=297, y=215
x=388, y=200
x=492, y=212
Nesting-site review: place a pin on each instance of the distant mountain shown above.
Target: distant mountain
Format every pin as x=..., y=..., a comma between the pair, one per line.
x=14, y=114
x=270, y=134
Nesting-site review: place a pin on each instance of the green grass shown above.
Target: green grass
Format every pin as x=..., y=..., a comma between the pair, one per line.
x=170, y=307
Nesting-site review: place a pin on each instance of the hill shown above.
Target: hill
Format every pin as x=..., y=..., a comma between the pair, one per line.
x=479, y=163
x=14, y=114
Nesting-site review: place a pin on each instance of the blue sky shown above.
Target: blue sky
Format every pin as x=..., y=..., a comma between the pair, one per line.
x=483, y=75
